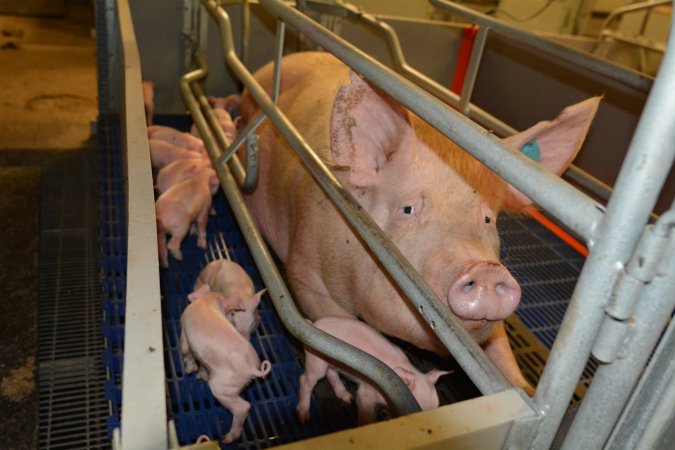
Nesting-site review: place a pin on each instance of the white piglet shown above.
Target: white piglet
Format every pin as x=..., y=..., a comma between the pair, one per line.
x=231, y=279
x=364, y=337
x=222, y=356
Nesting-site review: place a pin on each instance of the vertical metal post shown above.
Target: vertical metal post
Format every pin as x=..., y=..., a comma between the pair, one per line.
x=472, y=69
x=649, y=159
x=613, y=383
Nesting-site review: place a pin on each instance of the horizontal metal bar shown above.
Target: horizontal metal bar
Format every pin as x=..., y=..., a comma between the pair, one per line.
x=143, y=397
x=402, y=400
x=462, y=102
x=574, y=209
x=628, y=77
x=467, y=352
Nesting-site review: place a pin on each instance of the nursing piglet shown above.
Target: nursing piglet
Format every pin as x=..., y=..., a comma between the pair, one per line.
x=364, y=337
x=148, y=89
x=177, y=138
x=222, y=108
x=223, y=357
x=232, y=280
x=163, y=153
x=179, y=171
x=180, y=206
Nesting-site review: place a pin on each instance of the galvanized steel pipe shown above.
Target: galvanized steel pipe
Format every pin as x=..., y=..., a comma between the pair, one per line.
x=575, y=209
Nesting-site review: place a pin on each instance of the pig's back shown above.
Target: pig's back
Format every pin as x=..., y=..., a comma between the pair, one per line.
x=310, y=81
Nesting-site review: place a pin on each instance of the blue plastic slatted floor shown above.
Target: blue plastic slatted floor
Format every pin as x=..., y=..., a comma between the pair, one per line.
x=546, y=268
x=272, y=420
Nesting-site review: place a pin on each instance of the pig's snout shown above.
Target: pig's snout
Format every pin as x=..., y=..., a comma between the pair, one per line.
x=483, y=290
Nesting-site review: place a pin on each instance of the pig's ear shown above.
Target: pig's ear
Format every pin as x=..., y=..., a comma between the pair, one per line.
x=554, y=144
x=407, y=376
x=258, y=295
x=367, y=126
x=199, y=293
x=434, y=374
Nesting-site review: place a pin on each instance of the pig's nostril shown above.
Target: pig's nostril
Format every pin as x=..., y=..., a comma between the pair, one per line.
x=468, y=287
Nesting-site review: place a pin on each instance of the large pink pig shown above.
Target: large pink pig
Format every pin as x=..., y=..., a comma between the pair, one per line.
x=179, y=171
x=180, y=206
x=363, y=337
x=177, y=138
x=231, y=279
x=223, y=357
x=438, y=204
x=163, y=153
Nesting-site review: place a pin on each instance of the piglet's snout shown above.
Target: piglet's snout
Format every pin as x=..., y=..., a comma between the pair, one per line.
x=483, y=290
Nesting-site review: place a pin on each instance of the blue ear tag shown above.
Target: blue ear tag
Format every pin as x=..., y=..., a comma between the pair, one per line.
x=531, y=150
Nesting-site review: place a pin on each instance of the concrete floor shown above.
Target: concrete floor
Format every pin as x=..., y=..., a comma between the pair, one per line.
x=47, y=103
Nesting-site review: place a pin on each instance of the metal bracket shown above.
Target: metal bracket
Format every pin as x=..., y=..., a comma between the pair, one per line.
x=641, y=269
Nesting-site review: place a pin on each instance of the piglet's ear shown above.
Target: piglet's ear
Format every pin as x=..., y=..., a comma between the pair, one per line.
x=258, y=295
x=554, y=144
x=407, y=376
x=367, y=126
x=199, y=293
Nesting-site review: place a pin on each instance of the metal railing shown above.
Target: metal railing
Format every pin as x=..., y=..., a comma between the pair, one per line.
x=613, y=237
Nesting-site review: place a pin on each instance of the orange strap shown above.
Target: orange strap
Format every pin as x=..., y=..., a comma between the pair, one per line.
x=555, y=229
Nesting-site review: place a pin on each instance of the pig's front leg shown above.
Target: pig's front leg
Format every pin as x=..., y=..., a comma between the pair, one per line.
x=499, y=351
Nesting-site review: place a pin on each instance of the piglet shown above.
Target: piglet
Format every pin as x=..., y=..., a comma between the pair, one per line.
x=177, y=138
x=163, y=153
x=224, y=109
x=231, y=279
x=179, y=171
x=362, y=336
x=223, y=357
x=148, y=88
x=182, y=204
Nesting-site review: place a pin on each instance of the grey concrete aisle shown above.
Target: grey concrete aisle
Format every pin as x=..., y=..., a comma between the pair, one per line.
x=47, y=104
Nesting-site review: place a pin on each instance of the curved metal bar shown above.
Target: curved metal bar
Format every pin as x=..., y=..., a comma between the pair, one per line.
x=379, y=373
x=460, y=102
x=628, y=77
x=631, y=8
x=467, y=352
x=248, y=178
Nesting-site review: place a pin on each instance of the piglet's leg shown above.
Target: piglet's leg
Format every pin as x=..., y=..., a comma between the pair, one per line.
x=239, y=408
x=315, y=369
x=178, y=233
x=189, y=362
x=338, y=386
x=202, y=220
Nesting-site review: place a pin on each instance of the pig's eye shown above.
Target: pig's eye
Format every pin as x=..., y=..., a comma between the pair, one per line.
x=487, y=219
x=409, y=210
